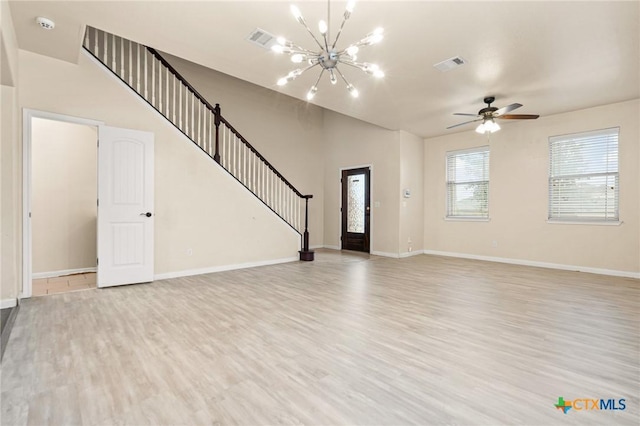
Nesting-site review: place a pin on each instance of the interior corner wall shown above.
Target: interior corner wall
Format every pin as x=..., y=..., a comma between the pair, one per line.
x=351, y=143
x=64, y=185
x=8, y=47
x=411, y=218
x=11, y=204
x=518, y=196
x=287, y=131
x=10, y=165
x=204, y=218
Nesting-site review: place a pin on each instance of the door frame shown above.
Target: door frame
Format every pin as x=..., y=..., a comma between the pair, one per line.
x=27, y=241
x=371, y=215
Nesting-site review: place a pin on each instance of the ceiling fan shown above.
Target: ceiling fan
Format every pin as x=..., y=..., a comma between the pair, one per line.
x=488, y=115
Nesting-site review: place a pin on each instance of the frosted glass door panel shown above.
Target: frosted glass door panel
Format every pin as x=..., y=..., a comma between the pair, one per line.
x=356, y=204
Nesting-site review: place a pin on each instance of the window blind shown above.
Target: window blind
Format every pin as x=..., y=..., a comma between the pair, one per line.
x=583, y=176
x=468, y=183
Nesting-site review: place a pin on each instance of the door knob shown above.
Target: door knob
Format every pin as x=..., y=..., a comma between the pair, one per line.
x=147, y=214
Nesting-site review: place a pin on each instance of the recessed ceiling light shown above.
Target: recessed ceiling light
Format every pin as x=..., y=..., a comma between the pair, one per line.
x=450, y=63
x=45, y=23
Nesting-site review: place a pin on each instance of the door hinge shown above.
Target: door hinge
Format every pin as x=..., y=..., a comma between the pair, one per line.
x=98, y=202
x=97, y=261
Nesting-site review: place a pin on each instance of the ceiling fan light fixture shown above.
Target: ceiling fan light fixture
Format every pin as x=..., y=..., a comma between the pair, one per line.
x=488, y=126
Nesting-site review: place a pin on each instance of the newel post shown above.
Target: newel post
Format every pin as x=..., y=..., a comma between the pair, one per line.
x=305, y=253
x=216, y=112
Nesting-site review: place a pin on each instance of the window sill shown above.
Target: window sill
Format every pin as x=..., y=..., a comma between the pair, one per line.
x=584, y=222
x=467, y=219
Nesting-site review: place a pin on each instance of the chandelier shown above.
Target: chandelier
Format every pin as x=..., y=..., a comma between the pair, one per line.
x=328, y=57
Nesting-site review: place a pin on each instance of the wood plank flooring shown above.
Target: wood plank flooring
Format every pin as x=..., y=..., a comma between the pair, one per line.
x=347, y=339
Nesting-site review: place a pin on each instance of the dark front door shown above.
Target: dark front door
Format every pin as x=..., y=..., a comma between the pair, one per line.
x=355, y=209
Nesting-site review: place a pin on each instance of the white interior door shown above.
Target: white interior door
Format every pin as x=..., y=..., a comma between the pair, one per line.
x=125, y=206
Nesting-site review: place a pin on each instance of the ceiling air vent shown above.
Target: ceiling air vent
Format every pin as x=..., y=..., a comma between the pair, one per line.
x=450, y=63
x=262, y=38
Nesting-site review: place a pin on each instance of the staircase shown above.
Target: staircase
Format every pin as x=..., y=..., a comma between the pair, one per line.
x=149, y=75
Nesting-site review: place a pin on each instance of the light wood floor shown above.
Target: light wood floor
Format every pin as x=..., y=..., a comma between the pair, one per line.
x=346, y=339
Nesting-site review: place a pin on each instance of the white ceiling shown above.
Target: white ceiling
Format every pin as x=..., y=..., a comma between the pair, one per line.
x=550, y=56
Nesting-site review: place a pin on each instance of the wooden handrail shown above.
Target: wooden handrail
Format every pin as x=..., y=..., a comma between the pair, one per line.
x=179, y=76
x=264, y=160
x=216, y=111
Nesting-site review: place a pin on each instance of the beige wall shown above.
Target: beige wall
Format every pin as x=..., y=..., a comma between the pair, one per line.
x=8, y=47
x=518, y=195
x=10, y=164
x=287, y=131
x=351, y=143
x=63, y=195
x=412, y=208
x=204, y=219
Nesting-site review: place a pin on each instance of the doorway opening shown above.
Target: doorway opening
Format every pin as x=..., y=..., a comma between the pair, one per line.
x=63, y=206
x=59, y=203
x=356, y=209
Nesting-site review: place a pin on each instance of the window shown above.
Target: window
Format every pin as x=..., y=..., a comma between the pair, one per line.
x=583, y=176
x=468, y=183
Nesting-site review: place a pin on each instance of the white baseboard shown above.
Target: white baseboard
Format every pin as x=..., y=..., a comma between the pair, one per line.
x=523, y=262
x=8, y=303
x=386, y=254
x=332, y=247
x=316, y=247
x=62, y=273
x=411, y=253
x=191, y=272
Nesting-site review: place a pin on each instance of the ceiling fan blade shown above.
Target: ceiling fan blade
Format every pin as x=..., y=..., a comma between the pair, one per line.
x=519, y=116
x=506, y=109
x=462, y=124
x=465, y=114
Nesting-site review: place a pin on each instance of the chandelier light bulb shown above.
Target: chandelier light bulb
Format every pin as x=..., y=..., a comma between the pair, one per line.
x=354, y=92
x=333, y=77
x=322, y=27
x=352, y=51
x=312, y=92
x=282, y=81
x=297, y=58
x=277, y=48
x=350, y=6
x=378, y=73
x=296, y=13
x=281, y=41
